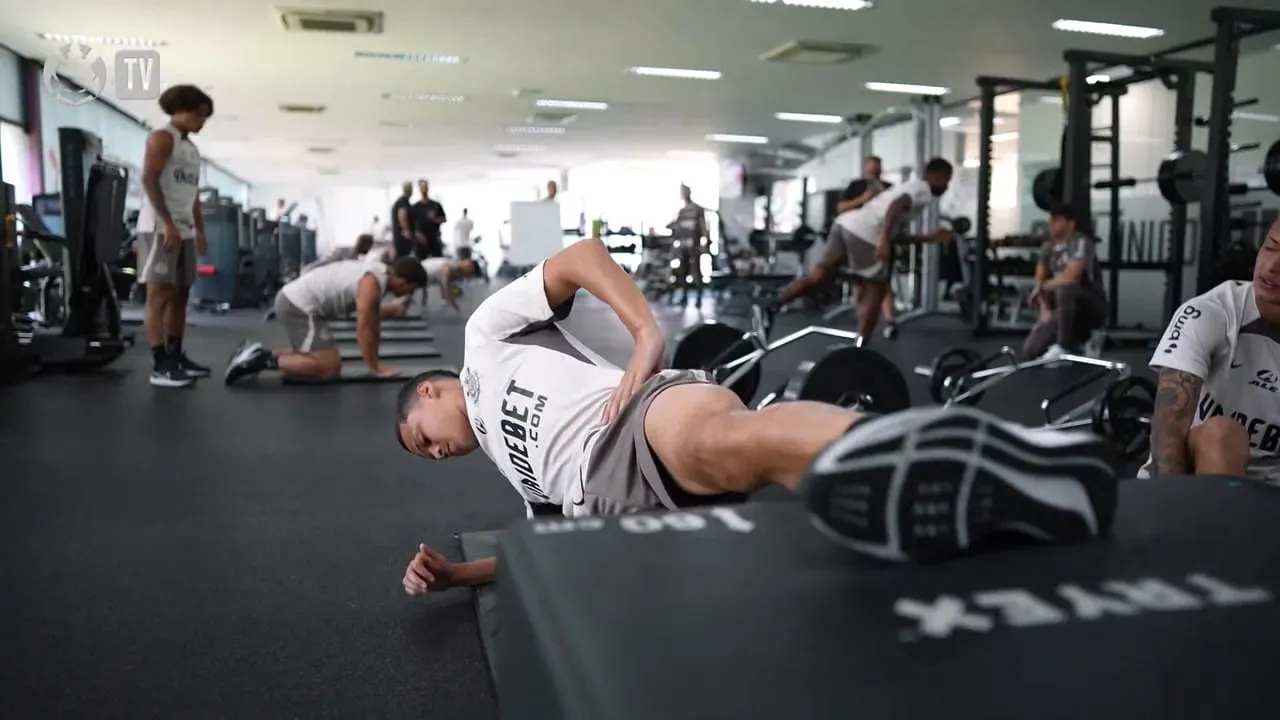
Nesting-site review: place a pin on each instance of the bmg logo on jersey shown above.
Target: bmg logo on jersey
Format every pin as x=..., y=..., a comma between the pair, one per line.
x=1189, y=313
x=137, y=74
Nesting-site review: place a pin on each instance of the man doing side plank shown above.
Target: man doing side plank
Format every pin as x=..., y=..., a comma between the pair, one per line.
x=569, y=430
x=1217, y=407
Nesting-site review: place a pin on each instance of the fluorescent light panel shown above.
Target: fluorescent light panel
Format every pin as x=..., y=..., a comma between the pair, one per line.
x=536, y=130
x=519, y=148
x=821, y=4
x=1260, y=117
x=744, y=139
x=431, y=58
x=907, y=88
x=92, y=40
x=1004, y=137
x=572, y=104
x=809, y=118
x=1137, y=32
x=681, y=73
x=425, y=97
x=691, y=155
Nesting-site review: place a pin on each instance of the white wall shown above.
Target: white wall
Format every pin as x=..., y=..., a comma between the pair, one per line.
x=338, y=213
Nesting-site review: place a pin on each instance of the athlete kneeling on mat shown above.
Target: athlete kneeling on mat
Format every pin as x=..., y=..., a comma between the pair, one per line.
x=862, y=239
x=306, y=305
x=1217, y=408
x=569, y=430
x=363, y=245
x=445, y=274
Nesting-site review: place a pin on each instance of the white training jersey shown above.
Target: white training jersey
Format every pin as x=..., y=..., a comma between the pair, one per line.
x=1220, y=338
x=867, y=222
x=435, y=269
x=179, y=185
x=462, y=233
x=534, y=393
x=330, y=292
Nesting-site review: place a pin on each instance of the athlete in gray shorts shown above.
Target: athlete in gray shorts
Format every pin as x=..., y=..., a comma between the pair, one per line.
x=572, y=433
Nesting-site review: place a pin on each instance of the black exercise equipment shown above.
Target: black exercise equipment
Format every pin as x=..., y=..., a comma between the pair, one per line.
x=851, y=377
x=355, y=371
x=598, y=621
x=387, y=335
x=1119, y=413
x=394, y=351
x=478, y=546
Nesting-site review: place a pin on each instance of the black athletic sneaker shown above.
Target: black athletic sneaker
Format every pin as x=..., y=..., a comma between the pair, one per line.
x=248, y=359
x=192, y=368
x=168, y=373
x=928, y=484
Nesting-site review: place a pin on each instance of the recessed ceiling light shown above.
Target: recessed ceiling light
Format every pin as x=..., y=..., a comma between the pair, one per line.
x=972, y=164
x=676, y=73
x=907, y=89
x=691, y=155
x=1100, y=28
x=518, y=148
x=744, y=139
x=1004, y=137
x=809, y=118
x=92, y=40
x=536, y=130
x=1051, y=99
x=1093, y=79
x=425, y=97
x=412, y=57
x=823, y=4
x=949, y=122
x=572, y=104
x=1260, y=117
x=395, y=124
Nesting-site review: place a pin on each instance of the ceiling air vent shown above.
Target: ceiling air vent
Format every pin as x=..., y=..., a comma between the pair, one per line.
x=813, y=52
x=320, y=150
x=305, y=19
x=507, y=154
x=299, y=108
x=329, y=171
x=552, y=117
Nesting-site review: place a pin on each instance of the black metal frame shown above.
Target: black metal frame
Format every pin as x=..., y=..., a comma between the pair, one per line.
x=1233, y=25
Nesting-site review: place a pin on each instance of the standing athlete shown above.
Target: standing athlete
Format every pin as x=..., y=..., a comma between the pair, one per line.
x=691, y=234
x=571, y=431
x=859, y=193
x=428, y=216
x=306, y=306
x=1218, y=404
x=862, y=239
x=402, y=222
x=171, y=232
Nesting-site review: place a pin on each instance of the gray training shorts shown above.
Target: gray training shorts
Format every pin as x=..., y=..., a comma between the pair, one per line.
x=158, y=264
x=622, y=473
x=307, y=333
x=859, y=256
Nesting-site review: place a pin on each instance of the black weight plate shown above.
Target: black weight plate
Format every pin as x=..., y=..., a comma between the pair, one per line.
x=961, y=225
x=1181, y=177
x=699, y=346
x=950, y=362
x=1046, y=188
x=1271, y=168
x=850, y=376
x=1122, y=417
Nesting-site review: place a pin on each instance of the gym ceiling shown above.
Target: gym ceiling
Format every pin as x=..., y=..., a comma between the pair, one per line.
x=386, y=119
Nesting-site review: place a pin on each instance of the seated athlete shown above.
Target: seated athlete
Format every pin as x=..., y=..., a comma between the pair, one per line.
x=306, y=305
x=1069, y=292
x=445, y=274
x=1217, y=408
x=363, y=245
x=862, y=239
x=570, y=431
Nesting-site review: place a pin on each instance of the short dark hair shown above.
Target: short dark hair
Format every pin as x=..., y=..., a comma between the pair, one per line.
x=411, y=270
x=1065, y=211
x=364, y=243
x=408, y=395
x=186, y=98
x=869, y=158
x=938, y=166
x=464, y=253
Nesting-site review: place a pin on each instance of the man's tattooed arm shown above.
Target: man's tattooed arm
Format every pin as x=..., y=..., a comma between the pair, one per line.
x=1177, y=394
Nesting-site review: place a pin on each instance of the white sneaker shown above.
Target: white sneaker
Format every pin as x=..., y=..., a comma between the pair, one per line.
x=1053, y=353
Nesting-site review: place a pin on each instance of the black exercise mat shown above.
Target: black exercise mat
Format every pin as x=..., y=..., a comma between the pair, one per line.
x=355, y=371
x=387, y=323
x=477, y=546
x=393, y=351
x=388, y=335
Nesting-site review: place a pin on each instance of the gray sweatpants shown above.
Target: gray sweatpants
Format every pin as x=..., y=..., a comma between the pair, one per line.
x=1075, y=312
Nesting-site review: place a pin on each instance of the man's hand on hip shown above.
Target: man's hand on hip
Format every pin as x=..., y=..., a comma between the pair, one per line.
x=646, y=359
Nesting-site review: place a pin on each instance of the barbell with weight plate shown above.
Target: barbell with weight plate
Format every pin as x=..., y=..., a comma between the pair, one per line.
x=711, y=345
x=949, y=372
x=1180, y=179
x=851, y=377
x=1122, y=417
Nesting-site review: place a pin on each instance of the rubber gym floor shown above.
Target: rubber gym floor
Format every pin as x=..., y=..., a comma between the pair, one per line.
x=237, y=553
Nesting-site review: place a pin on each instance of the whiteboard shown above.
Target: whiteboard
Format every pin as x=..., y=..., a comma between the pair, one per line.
x=535, y=232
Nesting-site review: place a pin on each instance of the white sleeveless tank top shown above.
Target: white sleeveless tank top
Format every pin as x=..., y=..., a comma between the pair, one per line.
x=179, y=184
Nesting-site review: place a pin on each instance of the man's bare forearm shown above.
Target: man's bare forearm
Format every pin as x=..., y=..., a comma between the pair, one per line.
x=587, y=265
x=476, y=572
x=156, y=196
x=1177, y=394
x=368, y=326
x=197, y=215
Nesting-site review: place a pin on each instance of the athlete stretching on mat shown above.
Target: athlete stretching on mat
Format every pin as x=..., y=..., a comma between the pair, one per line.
x=571, y=431
x=445, y=273
x=307, y=305
x=363, y=245
x=1217, y=408
x=862, y=239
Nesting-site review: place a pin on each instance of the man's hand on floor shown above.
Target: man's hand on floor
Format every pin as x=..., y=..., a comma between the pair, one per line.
x=428, y=572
